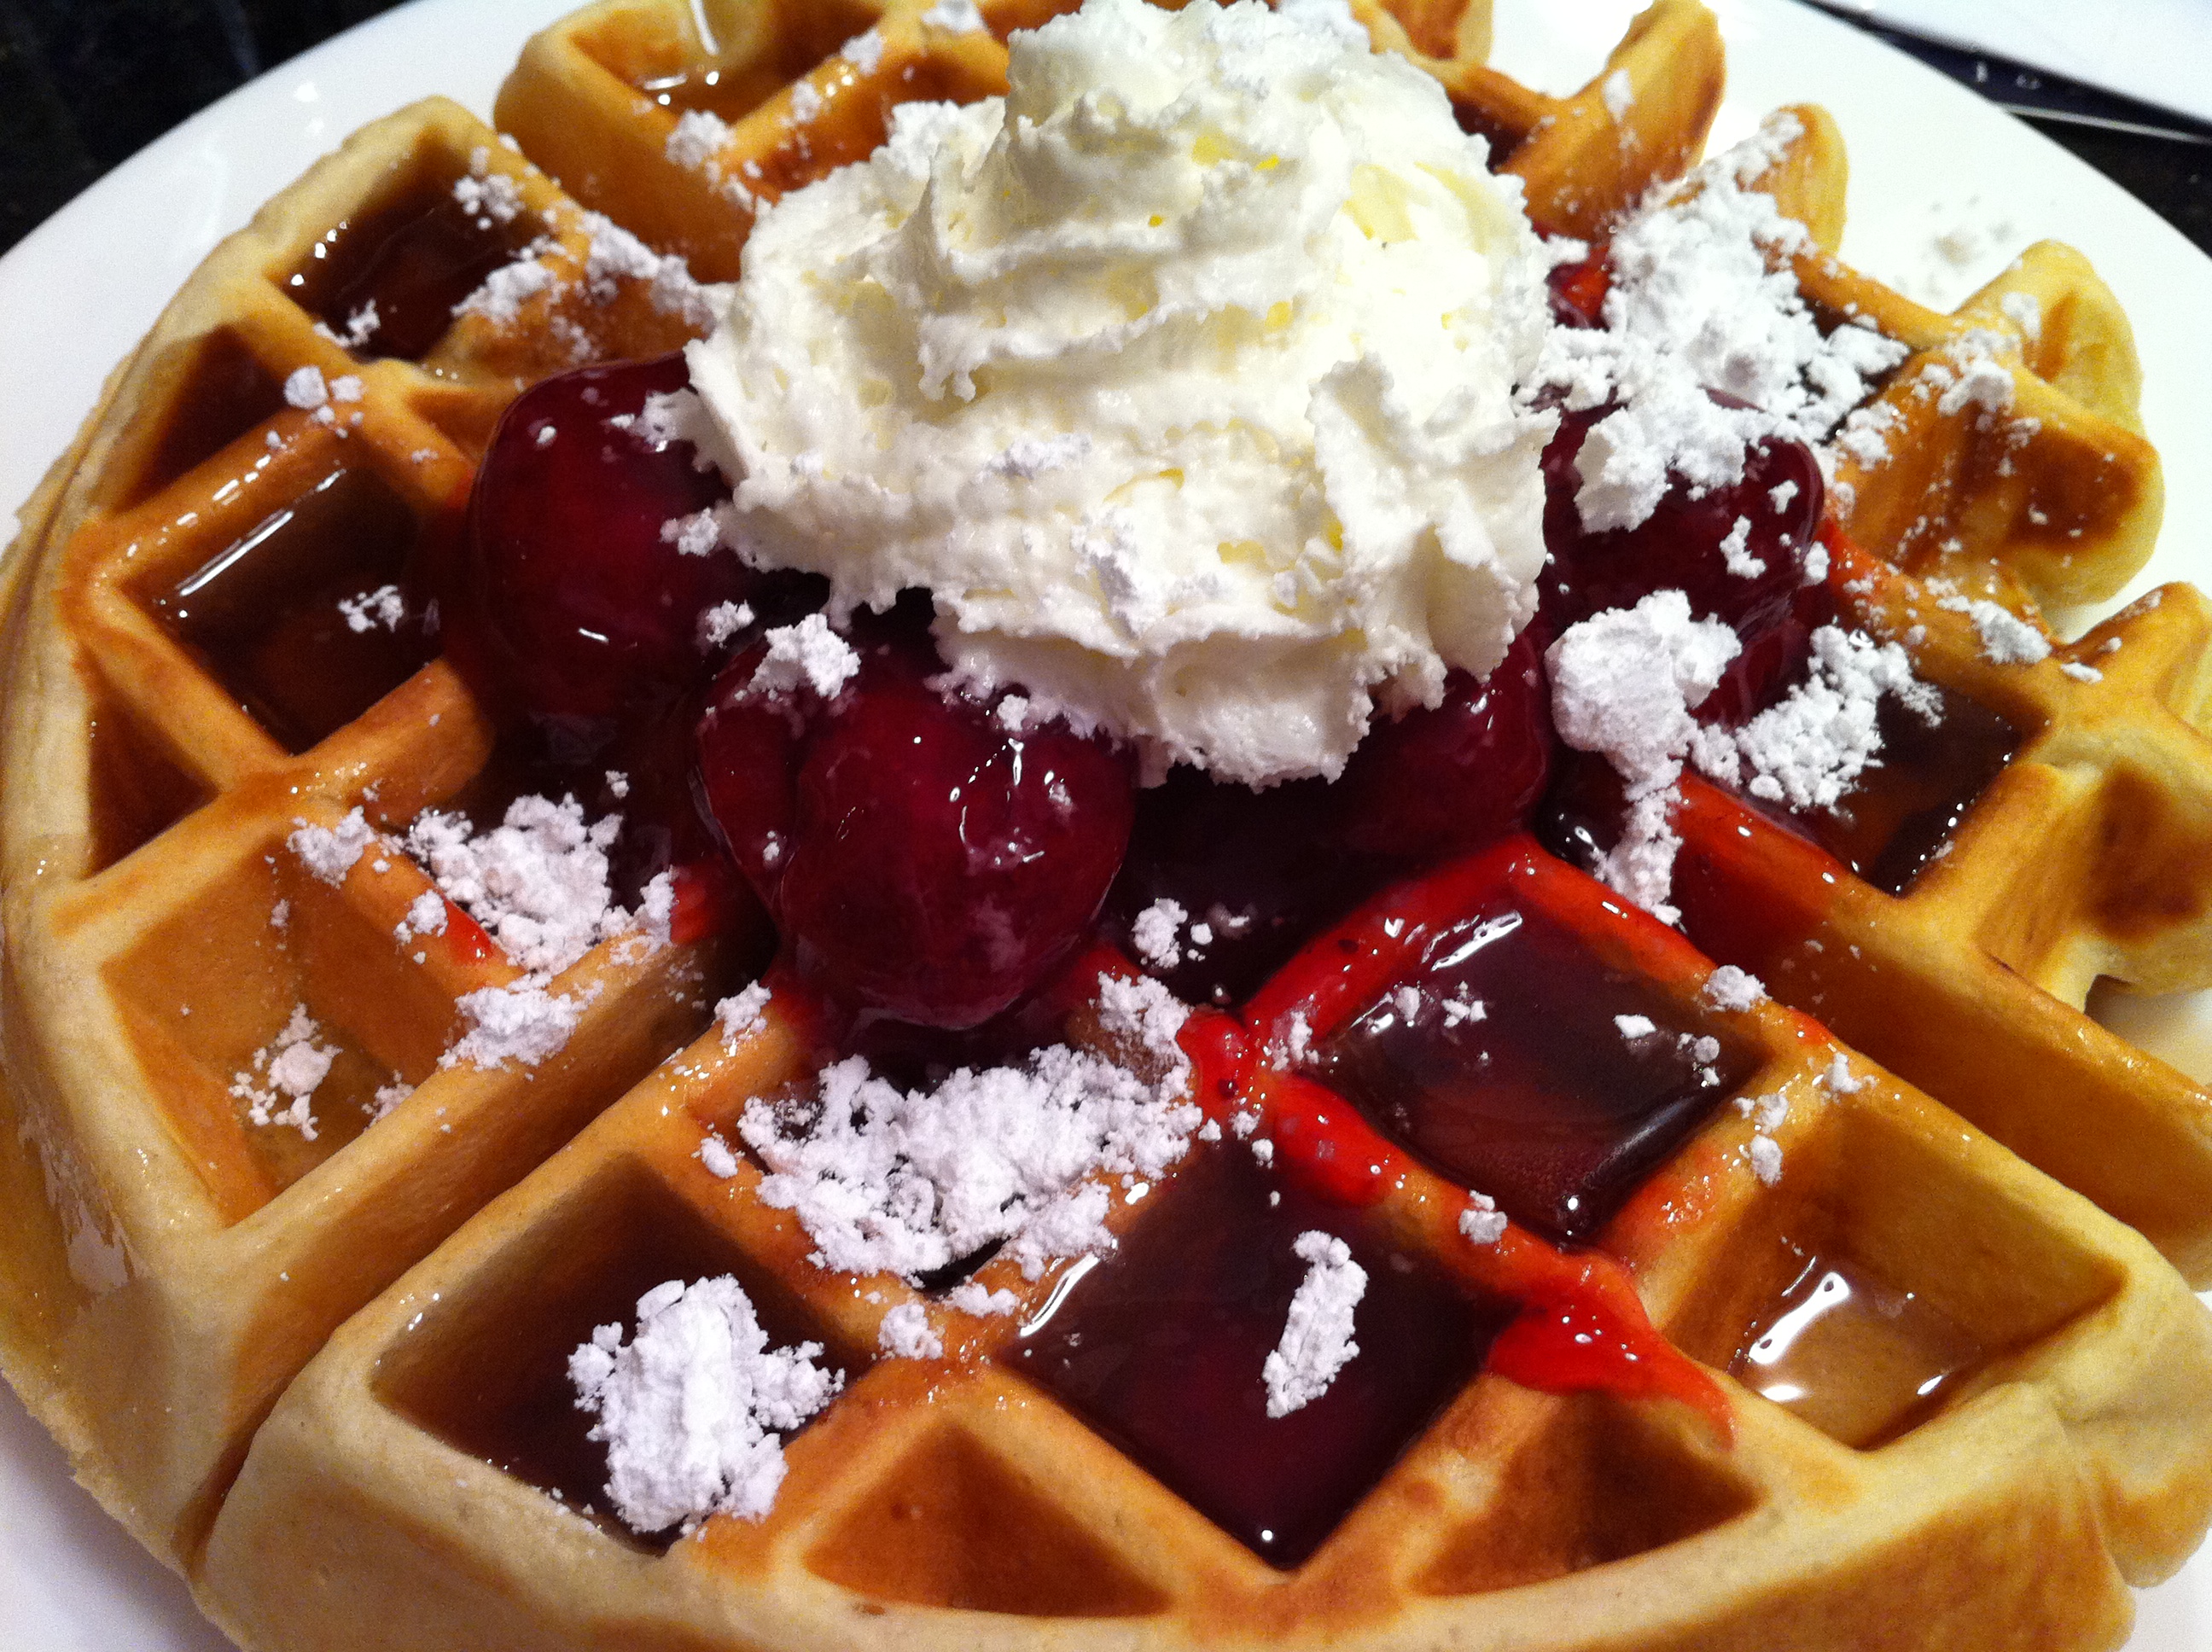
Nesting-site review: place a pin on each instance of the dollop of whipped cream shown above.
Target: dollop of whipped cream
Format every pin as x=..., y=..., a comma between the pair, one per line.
x=1183, y=377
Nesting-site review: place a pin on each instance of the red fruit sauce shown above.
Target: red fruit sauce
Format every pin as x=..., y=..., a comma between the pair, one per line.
x=1161, y=1344
x=939, y=874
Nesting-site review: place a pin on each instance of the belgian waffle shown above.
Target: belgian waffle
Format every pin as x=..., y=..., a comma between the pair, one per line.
x=168, y=1276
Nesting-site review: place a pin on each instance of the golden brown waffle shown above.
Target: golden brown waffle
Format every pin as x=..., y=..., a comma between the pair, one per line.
x=170, y=1266
x=952, y=1504
x=168, y=1276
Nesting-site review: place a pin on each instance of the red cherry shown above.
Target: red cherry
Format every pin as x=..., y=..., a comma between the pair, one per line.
x=572, y=604
x=1577, y=292
x=1440, y=781
x=1679, y=547
x=922, y=858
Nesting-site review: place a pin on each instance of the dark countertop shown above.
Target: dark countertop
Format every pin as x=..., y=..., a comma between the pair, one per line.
x=85, y=84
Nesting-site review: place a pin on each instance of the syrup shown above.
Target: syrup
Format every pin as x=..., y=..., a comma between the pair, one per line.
x=343, y=1106
x=491, y=1376
x=1900, y=820
x=1861, y=1360
x=226, y=392
x=1892, y=826
x=263, y=612
x=1538, y=1098
x=415, y=260
x=728, y=94
x=1161, y=1344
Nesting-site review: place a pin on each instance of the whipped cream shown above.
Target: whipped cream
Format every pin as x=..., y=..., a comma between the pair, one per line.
x=1181, y=377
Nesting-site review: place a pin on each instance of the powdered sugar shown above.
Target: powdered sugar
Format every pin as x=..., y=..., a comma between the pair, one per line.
x=538, y=883
x=905, y=1181
x=1735, y=553
x=808, y=653
x=1157, y=933
x=426, y=915
x=1623, y=682
x=1733, y=989
x=865, y=50
x=383, y=606
x=955, y=17
x=1702, y=297
x=742, y=1012
x=508, y=288
x=697, y=535
x=2007, y=639
x=304, y=389
x=285, y=1075
x=330, y=852
x=1316, y=1342
x=1811, y=747
x=490, y=197
x=693, y=1407
x=905, y=1333
x=699, y=136
x=522, y=1024
x=721, y=622
x=1482, y=1222
x=970, y=1298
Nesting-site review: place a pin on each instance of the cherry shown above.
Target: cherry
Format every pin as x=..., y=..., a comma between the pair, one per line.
x=1438, y=782
x=926, y=854
x=1577, y=292
x=570, y=603
x=1679, y=545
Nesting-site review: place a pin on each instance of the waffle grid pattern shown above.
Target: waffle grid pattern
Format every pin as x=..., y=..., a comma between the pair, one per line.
x=173, y=1278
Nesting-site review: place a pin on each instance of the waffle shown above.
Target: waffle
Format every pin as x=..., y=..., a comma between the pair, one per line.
x=2036, y=1184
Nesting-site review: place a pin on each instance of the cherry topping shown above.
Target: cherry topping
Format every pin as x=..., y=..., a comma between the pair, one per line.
x=1577, y=292
x=1164, y=1346
x=922, y=856
x=1442, y=781
x=1680, y=546
x=1260, y=870
x=573, y=603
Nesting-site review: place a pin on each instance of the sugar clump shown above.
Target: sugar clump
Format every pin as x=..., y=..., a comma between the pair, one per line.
x=693, y=1406
x=1316, y=1342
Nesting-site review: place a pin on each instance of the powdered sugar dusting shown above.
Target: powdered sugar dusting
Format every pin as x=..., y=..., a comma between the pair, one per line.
x=285, y=1075
x=693, y=1407
x=905, y=1334
x=1316, y=1340
x=537, y=882
x=330, y=852
x=807, y=654
x=1623, y=682
x=742, y=1012
x=905, y=1181
x=1482, y=1222
x=1702, y=297
x=1812, y=747
x=522, y=1024
x=1733, y=989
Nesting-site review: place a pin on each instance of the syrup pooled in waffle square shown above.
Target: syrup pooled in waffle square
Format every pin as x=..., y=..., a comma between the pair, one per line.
x=226, y=660
x=1552, y=1432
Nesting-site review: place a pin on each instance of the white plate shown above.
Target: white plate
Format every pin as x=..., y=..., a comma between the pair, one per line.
x=1928, y=159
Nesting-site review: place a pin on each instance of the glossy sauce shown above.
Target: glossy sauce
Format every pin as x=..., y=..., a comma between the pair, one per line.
x=1161, y=1346
x=1900, y=820
x=1514, y=1076
x=415, y=260
x=491, y=1375
x=263, y=612
x=1861, y=1360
